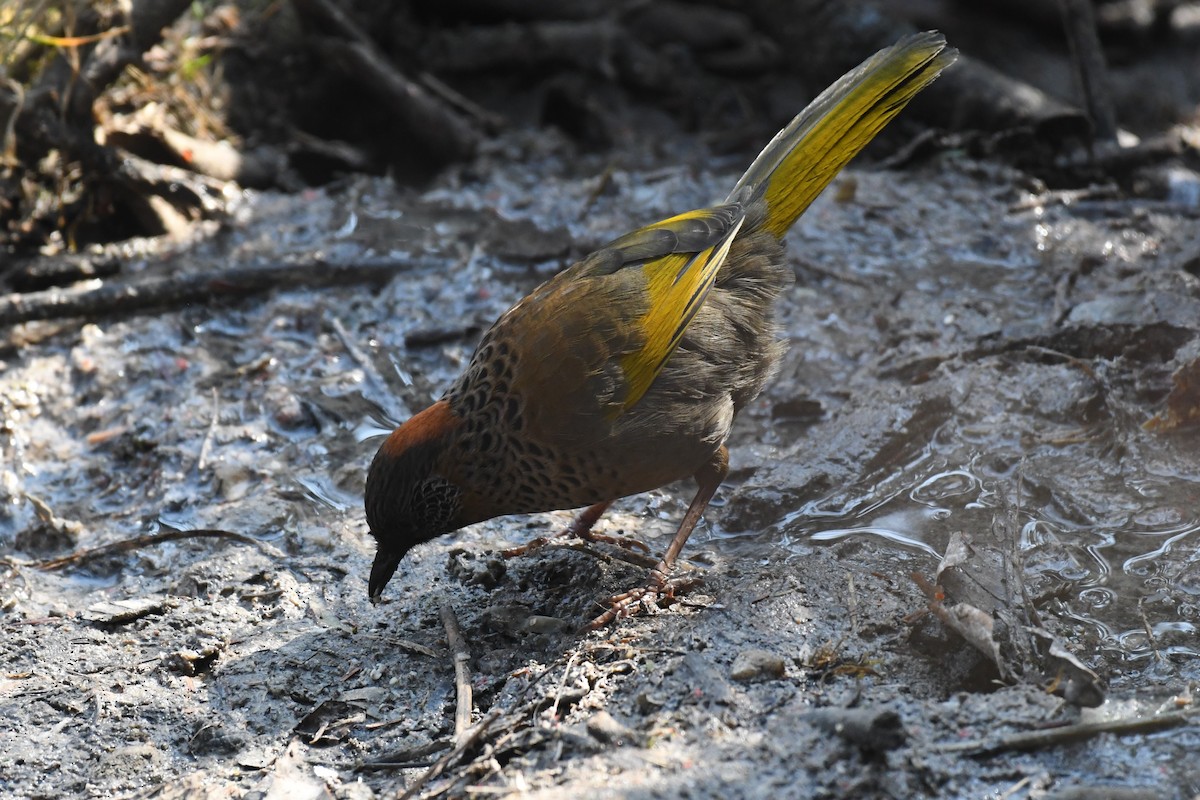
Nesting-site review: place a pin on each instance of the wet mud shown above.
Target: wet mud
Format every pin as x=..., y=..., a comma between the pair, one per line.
x=967, y=354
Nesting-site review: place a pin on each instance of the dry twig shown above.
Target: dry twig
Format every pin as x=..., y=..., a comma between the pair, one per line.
x=439, y=126
x=392, y=405
x=462, y=672
x=1079, y=19
x=176, y=290
x=1067, y=734
x=138, y=542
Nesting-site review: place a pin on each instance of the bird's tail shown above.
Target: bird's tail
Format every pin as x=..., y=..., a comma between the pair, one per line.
x=806, y=155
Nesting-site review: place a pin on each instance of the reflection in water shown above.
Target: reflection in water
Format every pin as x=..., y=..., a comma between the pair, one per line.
x=323, y=491
x=1132, y=559
x=875, y=530
x=944, y=485
x=1149, y=562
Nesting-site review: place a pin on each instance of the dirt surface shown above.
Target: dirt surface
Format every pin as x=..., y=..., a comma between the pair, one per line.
x=965, y=357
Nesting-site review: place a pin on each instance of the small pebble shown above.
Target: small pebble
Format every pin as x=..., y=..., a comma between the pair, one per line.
x=604, y=727
x=757, y=665
x=648, y=703
x=539, y=623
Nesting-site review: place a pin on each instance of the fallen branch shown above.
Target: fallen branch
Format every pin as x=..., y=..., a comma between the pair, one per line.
x=62, y=270
x=608, y=556
x=468, y=741
x=390, y=403
x=138, y=542
x=994, y=101
x=1079, y=20
x=177, y=290
x=476, y=736
x=462, y=672
x=439, y=127
x=104, y=64
x=1067, y=734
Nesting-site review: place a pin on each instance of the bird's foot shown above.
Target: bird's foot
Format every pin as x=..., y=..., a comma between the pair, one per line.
x=528, y=547
x=623, y=542
x=577, y=532
x=659, y=589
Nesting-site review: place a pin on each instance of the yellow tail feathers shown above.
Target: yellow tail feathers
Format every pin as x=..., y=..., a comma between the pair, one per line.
x=806, y=155
x=679, y=258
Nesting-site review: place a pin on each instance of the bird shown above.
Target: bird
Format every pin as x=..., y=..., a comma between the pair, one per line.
x=624, y=372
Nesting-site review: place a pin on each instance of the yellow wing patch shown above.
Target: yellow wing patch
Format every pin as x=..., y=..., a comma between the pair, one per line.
x=677, y=285
x=699, y=213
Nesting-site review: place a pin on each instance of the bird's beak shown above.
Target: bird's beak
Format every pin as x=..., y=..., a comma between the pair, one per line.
x=382, y=571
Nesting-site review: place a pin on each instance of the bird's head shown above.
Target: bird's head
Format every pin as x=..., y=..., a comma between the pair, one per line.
x=407, y=501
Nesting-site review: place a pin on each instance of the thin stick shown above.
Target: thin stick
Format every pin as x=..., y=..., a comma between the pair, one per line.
x=462, y=672
x=387, y=401
x=601, y=186
x=138, y=542
x=1033, y=740
x=615, y=554
x=1150, y=638
x=1079, y=19
x=562, y=684
x=116, y=298
x=472, y=738
x=458, y=100
x=206, y=445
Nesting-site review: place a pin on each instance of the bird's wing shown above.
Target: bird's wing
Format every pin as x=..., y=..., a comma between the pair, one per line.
x=678, y=260
x=677, y=286
x=598, y=334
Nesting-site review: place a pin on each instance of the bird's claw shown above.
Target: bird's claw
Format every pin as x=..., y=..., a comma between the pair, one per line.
x=528, y=547
x=659, y=589
x=623, y=542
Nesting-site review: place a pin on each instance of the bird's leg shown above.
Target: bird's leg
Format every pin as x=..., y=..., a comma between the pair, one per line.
x=581, y=528
x=660, y=583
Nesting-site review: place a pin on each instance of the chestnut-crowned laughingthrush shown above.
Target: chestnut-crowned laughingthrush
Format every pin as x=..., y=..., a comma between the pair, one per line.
x=624, y=372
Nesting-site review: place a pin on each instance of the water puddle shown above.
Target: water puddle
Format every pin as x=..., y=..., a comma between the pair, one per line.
x=1119, y=556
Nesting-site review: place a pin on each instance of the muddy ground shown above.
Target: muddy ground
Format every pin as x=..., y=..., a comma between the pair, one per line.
x=966, y=355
